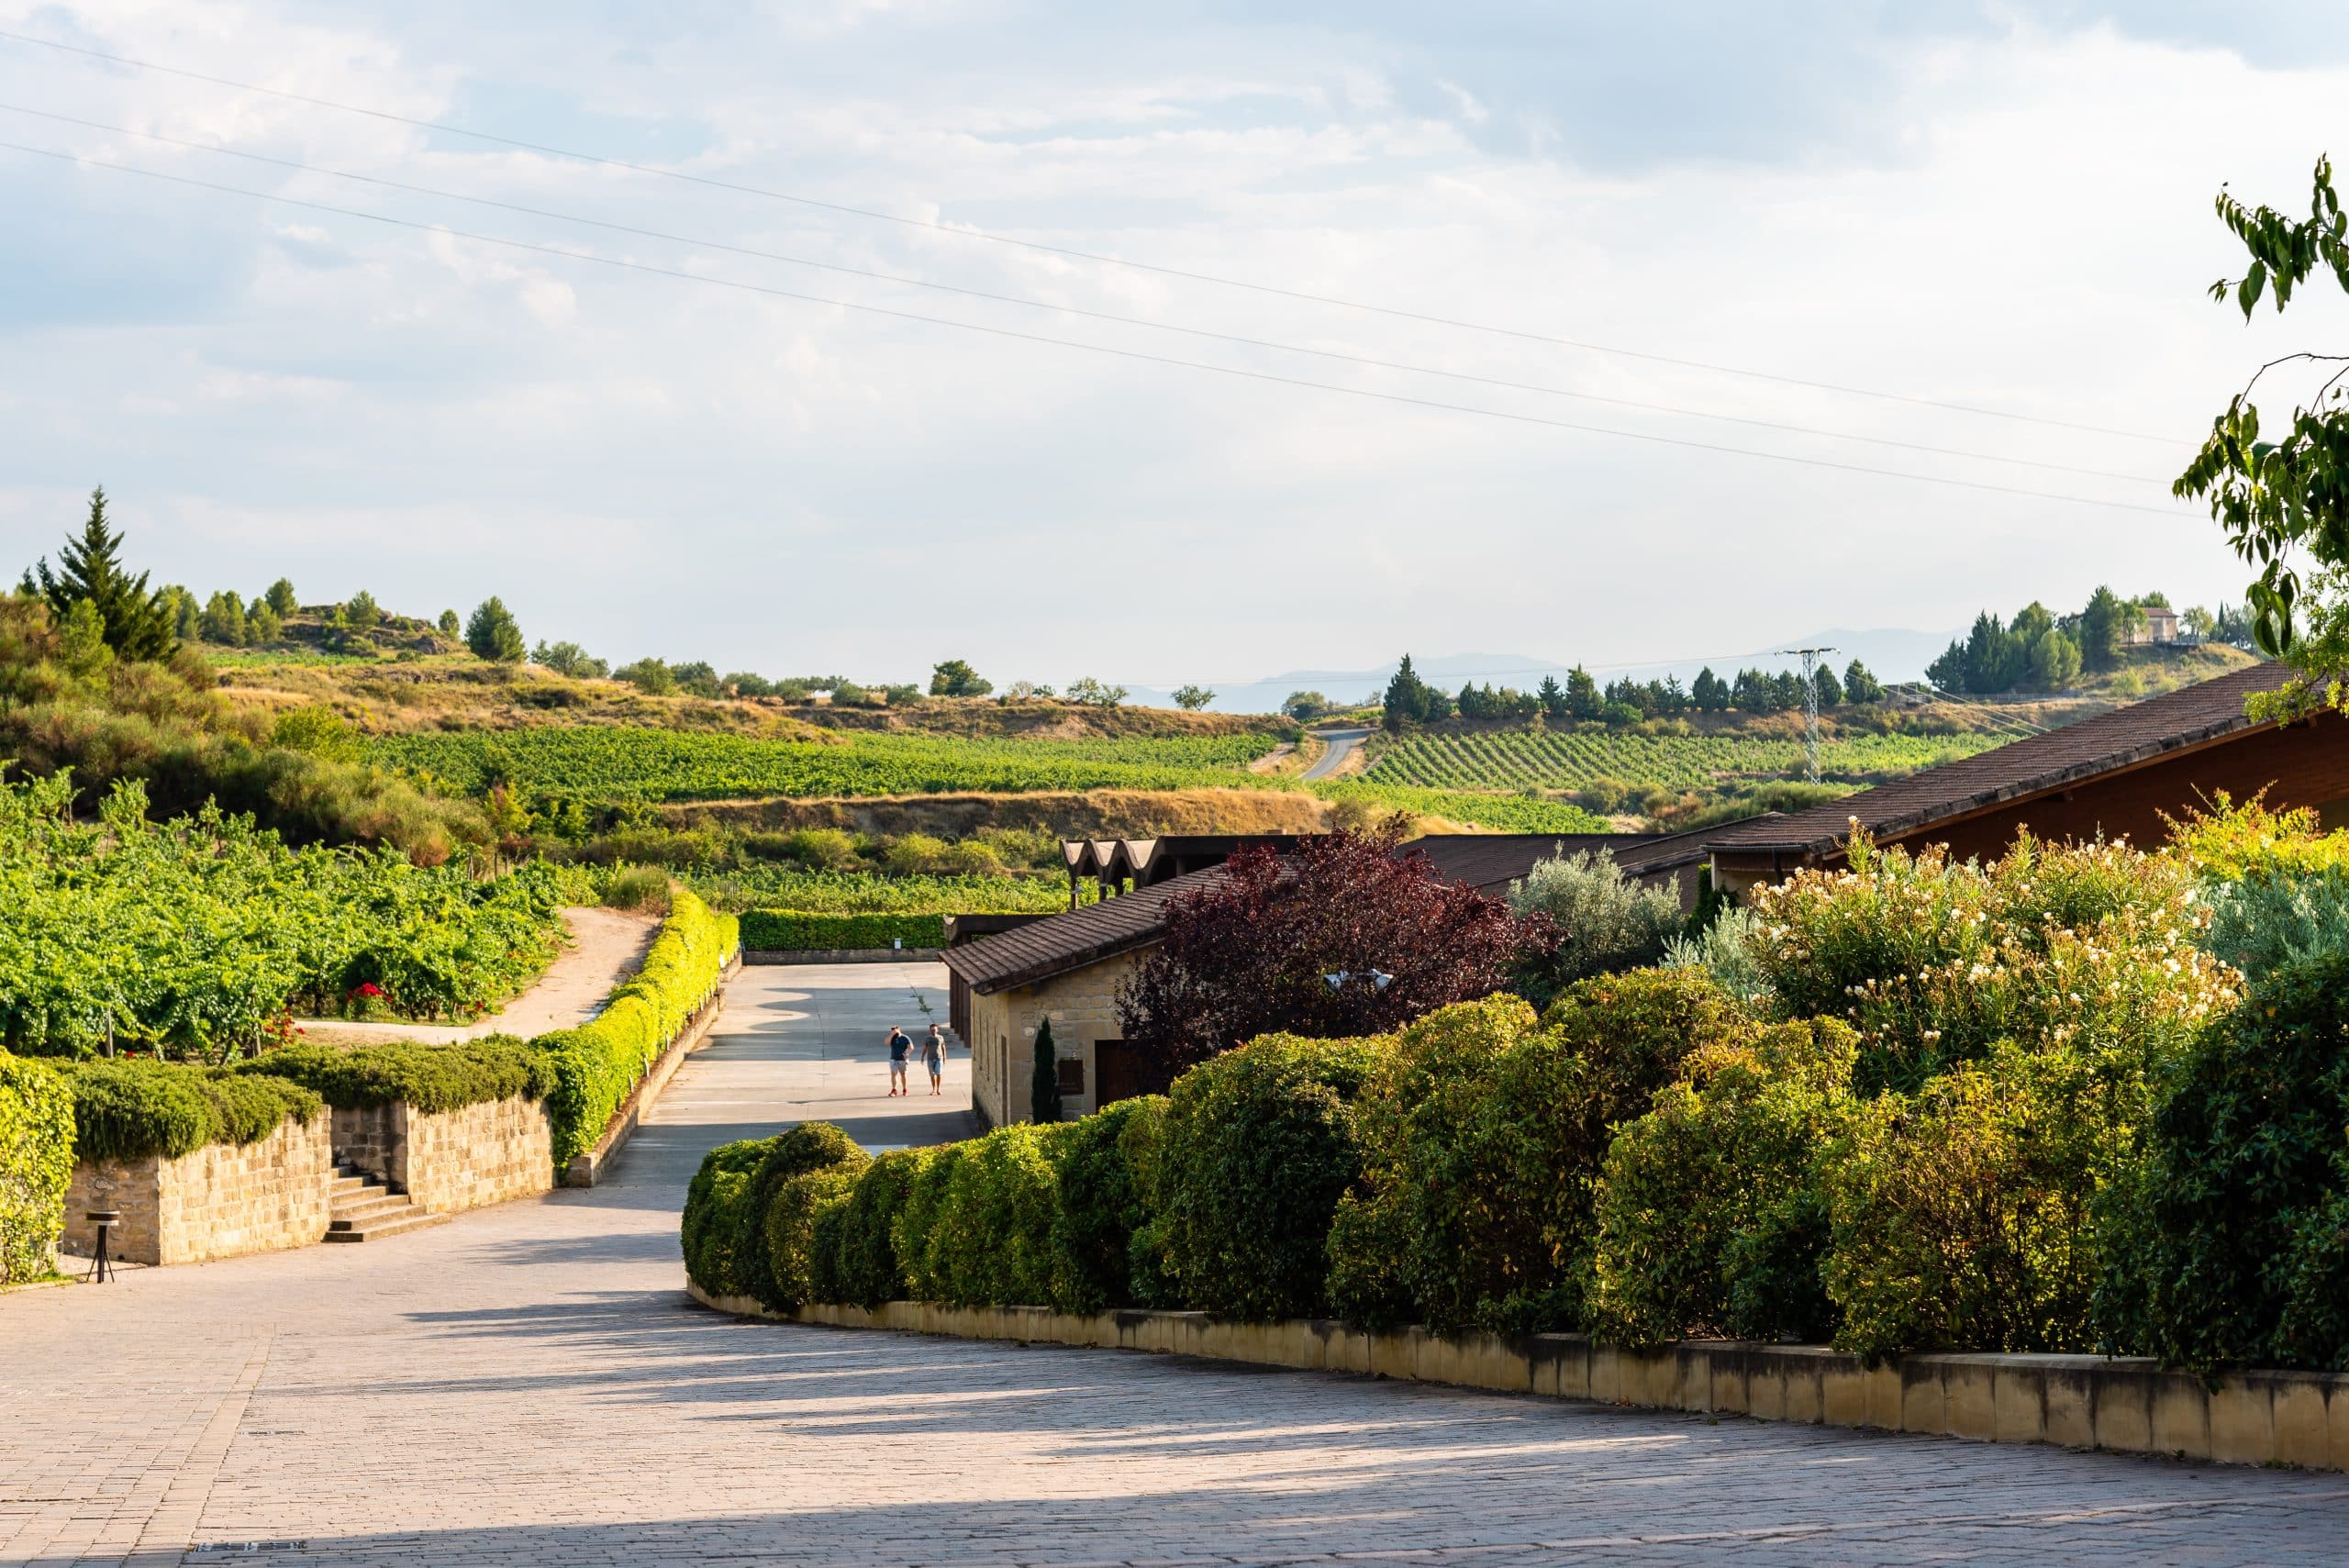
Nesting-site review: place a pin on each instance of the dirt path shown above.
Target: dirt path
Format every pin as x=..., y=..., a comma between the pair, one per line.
x=607, y=946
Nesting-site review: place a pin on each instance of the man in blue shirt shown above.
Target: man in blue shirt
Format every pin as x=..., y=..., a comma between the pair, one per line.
x=900, y=1046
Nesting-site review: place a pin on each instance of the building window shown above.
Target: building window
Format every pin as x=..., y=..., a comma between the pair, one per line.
x=1072, y=1075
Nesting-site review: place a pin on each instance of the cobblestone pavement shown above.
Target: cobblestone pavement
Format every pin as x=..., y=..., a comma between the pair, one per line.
x=528, y=1386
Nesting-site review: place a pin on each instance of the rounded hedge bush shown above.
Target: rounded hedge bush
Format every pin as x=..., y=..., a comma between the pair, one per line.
x=866, y=1271
x=1101, y=1205
x=804, y=1209
x=129, y=1108
x=779, y=1279
x=1259, y=1145
x=993, y=1226
x=921, y=1259
x=713, y=1217
x=2244, y=1239
x=1712, y=1218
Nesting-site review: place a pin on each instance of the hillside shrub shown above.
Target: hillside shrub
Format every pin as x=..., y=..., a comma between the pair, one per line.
x=1259, y=1146
x=1103, y=1204
x=592, y=1068
x=429, y=1079
x=1711, y=1216
x=127, y=1108
x=867, y=1270
x=2276, y=886
x=638, y=887
x=713, y=1216
x=780, y=930
x=993, y=1233
x=1483, y=1136
x=771, y=1247
x=36, y=1165
x=2244, y=1256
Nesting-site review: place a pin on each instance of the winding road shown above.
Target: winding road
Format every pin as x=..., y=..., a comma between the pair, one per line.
x=1343, y=743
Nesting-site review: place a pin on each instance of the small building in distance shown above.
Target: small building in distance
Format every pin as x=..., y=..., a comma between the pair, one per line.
x=2159, y=627
x=2120, y=774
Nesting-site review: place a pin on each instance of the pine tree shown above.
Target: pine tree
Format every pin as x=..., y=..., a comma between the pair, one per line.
x=1583, y=700
x=138, y=623
x=1553, y=698
x=280, y=598
x=492, y=634
x=2102, y=627
x=1044, y=1087
x=1407, y=699
x=1831, y=690
x=1859, y=685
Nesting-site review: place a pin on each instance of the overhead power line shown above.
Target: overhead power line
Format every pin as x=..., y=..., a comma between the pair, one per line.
x=1340, y=356
x=965, y=232
x=1010, y=333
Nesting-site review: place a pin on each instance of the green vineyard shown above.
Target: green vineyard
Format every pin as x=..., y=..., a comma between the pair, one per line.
x=623, y=764
x=1575, y=760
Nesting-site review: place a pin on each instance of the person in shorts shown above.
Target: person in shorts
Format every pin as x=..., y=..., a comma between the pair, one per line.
x=933, y=1056
x=901, y=1045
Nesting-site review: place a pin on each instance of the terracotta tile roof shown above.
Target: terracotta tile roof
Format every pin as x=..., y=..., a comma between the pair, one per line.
x=1063, y=942
x=2043, y=763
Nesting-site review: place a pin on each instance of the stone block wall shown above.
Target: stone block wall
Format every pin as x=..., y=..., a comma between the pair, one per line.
x=483, y=1154
x=462, y=1159
x=1083, y=1006
x=222, y=1201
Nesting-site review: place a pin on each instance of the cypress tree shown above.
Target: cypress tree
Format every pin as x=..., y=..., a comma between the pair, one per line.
x=138, y=623
x=1044, y=1088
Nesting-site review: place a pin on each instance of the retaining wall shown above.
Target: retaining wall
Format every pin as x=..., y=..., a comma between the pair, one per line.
x=456, y=1160
x=2126, y=1405
x=222, y=1201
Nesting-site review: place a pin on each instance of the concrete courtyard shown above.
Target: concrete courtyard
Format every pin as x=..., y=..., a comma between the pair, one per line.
x=530, y=1385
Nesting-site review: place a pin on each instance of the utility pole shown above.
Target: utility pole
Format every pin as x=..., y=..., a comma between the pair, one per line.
x=1809, y=657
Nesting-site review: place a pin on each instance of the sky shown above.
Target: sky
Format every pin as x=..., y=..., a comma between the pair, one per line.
x=2003, y=207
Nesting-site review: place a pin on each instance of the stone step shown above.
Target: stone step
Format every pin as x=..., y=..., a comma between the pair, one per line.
x=377, y=1230
x=354, y=1183
x=376, y=1205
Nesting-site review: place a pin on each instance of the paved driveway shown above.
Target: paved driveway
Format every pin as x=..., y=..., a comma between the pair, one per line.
x=528, y=1386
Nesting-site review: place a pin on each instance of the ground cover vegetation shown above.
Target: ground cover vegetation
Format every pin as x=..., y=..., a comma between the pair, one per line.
x=200, y=938
x=2025, y=1106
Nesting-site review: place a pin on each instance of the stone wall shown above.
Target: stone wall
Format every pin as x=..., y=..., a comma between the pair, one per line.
x=222, y=1201
x=456, y=1160
x=1083, y=1006
x=2124, y=1404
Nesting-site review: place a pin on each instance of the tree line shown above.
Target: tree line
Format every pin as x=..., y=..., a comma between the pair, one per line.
x=1580, y=699
x=2042, y=652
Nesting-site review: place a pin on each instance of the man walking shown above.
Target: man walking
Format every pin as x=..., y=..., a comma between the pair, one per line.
x=933, y=1056
x=900, y=1046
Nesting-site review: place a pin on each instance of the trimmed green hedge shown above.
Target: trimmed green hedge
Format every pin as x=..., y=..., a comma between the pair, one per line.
x=429, y=1079
x=592, y=1068
x=36, y=1165
x=781, y=931
x=127, y=1108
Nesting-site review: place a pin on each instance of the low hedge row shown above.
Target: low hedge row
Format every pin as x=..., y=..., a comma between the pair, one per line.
x=782, y=931
x=430, y=1079
x=1025, y=1215
x=591, y=1069
x=129, y=1108
x=36, y=1165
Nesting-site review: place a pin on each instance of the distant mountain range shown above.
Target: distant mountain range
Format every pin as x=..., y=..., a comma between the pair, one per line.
x=1892, y=654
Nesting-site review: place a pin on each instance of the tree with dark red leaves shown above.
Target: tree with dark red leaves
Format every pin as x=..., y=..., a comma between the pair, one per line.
x=1255, y=951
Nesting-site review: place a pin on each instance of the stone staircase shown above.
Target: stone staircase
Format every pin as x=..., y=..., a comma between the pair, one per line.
x=366, y=1210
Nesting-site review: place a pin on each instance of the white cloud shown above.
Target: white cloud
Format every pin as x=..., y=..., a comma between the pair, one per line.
x=643, y=463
